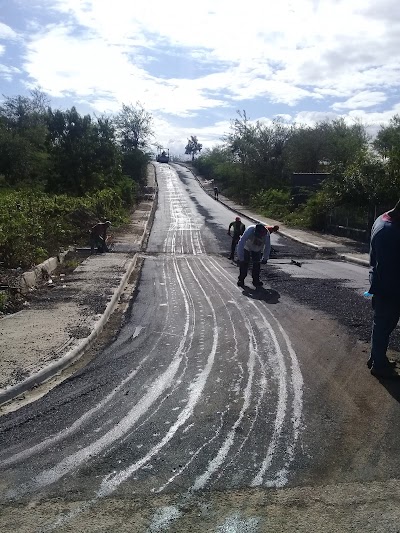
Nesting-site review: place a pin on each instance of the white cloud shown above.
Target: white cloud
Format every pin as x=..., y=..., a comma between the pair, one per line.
x=7, y=33
x=275, y=50
x=7, y=73
x=362, y=100
x=340, y=54
x=175, y=137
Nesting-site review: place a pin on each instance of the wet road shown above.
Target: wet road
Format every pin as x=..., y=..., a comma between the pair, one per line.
x=209, y=387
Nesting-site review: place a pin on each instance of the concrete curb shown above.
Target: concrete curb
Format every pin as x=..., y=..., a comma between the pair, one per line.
x=352, y=259
x=73, y=355
x=323, y=249
x=30, y=279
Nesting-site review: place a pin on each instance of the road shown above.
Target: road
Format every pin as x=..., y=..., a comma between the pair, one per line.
x=215, y=408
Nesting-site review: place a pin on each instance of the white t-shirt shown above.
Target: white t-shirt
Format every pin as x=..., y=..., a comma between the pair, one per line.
x=248, y=242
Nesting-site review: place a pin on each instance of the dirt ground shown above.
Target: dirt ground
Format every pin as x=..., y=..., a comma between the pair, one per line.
x=10, y=283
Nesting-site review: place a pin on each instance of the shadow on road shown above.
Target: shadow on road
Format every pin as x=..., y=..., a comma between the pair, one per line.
x=392, y=386
x=270, y=296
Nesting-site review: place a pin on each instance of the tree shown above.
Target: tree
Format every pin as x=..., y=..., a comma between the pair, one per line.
x=23, y=133
x=211, y=159
x=305, y=150
x=193, y=146
x=343, y=143
x=327, y=144
x=84, y=153
x=133, y=127
x=259, y=150
x=387, y=144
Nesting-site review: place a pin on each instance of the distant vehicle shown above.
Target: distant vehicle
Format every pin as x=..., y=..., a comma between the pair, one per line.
x=163, y=156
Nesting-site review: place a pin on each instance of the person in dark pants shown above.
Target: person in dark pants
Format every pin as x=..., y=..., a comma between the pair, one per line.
x=216, y=192
x=254, y=244
x=385, y=288
x=238, y=229
x=98, y=237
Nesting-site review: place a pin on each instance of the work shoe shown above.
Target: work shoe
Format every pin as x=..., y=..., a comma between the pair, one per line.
x=240, y=283
x=385, y=372
x=258, y=283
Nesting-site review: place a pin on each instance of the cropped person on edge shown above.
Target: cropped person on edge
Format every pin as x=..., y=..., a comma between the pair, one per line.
x=238, y=229
x=385, y=288
x=272, y=229
x=255, y=243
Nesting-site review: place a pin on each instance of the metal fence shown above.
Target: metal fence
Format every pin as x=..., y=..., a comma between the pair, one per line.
x=352, y=222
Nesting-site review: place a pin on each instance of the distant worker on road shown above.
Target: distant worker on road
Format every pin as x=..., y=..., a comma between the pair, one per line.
x=385, y=287
x=255, y=243
x=238, y=229
x=216, y=193
x=98, y=237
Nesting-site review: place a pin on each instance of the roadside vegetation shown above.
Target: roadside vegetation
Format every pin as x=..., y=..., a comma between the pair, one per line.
x=256, y=163
x=61, y=172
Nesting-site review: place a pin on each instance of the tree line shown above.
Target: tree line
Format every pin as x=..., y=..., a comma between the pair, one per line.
x=256, y=162
x=61, y=171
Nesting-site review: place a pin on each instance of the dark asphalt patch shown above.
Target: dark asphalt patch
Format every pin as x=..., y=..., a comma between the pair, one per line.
x=332, y=297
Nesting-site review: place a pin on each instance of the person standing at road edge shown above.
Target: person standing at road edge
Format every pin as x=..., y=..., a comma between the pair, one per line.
x=216, y=192
x=238, y=230
x=254, y=243
x=385, y=288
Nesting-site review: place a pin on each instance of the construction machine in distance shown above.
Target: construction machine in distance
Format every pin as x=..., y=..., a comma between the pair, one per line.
x=163, y=156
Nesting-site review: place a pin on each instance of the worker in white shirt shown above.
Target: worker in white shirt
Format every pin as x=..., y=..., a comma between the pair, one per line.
x=254, y=244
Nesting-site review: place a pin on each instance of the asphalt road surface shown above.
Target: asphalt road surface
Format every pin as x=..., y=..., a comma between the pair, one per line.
x=215, y=408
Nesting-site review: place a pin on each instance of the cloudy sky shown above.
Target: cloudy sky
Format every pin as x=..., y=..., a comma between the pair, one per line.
x=193, y=65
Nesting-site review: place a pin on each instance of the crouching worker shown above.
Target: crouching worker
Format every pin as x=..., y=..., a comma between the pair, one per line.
x=255, y=243
x=98, y=237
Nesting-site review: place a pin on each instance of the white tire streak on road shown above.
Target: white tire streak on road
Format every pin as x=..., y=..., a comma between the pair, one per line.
x=154, y=391
x=100, y=407
x=297, y=383
x=178, y=379
x=297, y=387
x=252, y=351
x=262, y=380
x=216, y=462
x=112, y=482
x=280, y=374
x=181, y=221
x=193, y=457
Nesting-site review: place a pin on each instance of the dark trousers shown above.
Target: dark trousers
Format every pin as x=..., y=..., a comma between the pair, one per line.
x=386, y=317
x=96, y=241
x=235, y=240
x=244, y=265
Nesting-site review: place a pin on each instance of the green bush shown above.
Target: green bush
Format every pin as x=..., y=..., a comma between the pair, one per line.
x=34, y=225
x=313, y=214
x=128, y=191
x=272, y=203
